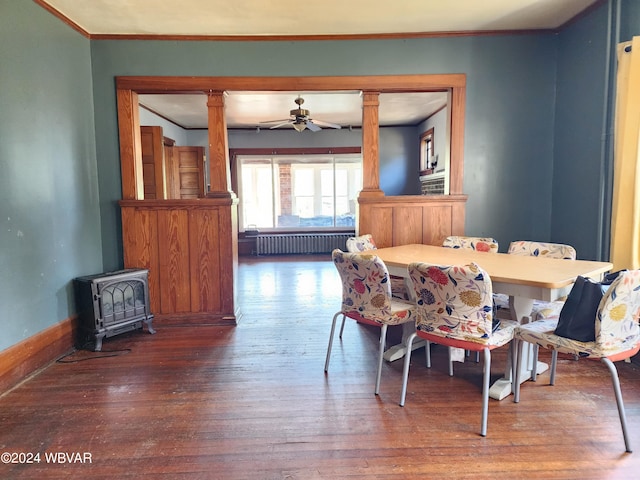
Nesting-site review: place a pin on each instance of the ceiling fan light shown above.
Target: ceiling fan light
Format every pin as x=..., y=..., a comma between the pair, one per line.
x=299, y=126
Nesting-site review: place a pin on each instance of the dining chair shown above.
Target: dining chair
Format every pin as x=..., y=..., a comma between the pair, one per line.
x=480, y=244
x=366, y=298
x=542, y=249
x=541, y=309
x=617, y=337
x=454, y=308
x=363, y=243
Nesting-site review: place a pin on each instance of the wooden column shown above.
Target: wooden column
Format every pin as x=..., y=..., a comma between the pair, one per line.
x=130, y=145
x=219, y=170
x=370, y=146
x=220, y=189
x=456, y=165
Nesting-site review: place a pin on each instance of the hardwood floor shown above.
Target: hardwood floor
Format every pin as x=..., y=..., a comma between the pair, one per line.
x=253, y=402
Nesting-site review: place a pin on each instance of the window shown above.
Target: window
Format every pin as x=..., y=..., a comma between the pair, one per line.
x=426, y=152
x=301, y=192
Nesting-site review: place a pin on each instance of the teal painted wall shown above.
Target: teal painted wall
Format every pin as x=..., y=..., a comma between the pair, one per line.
x=509, y=121
x=49, y=216
x=583, y=153
x=629, y=19
x=579, y=180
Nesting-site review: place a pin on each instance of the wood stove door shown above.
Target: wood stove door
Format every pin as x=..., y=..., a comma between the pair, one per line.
x=122, y=300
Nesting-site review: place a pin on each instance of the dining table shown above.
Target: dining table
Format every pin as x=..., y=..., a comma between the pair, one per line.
x=523, y=278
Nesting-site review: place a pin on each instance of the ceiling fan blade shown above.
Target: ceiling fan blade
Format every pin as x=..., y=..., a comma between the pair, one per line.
x=312, y=126
x=288, y=122
x=282, y=120
x=326, y=124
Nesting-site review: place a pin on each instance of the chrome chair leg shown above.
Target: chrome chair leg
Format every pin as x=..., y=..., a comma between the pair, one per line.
x=468, y=354
x=344, y=318
x=405, y=368
x=534, y=362
x=485, y=391
x=427, y=350
x=450, y=362
x=333, y=328
x=516, y=377
x=383, y=338
x=618, y=392
x=513, y=352
x=554, y=364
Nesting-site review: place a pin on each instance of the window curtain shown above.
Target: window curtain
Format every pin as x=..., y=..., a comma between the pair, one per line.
x=625, y=214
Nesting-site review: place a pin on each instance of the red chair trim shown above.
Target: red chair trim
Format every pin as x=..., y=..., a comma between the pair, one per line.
x=359, y=318
x=624, y=355
x=454, y=342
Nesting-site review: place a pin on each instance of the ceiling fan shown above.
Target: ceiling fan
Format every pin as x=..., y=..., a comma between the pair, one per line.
x=300, y=119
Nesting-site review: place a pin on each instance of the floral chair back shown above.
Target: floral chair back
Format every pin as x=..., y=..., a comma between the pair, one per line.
x=453, y=301
x=361, y=243
x=366, y=290
x=480, y=244
x=619, y=311
x=542, y=249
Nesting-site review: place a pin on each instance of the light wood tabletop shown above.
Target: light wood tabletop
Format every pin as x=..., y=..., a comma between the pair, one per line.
x=543, y=272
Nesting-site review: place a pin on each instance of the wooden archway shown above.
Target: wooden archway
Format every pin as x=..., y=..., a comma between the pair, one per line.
x=190, y=246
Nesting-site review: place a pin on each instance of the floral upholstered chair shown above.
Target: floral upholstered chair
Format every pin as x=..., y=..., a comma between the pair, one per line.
x=454, y=308
x=361, y=243
x=366, y=297
x=616, y=330
x=365, y=243
x=542, y=249
x=480, y=244
x=540, y=308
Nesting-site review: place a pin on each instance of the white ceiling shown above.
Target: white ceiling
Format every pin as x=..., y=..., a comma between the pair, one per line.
x=249, y=109
x=279, y=18
x=326, y=17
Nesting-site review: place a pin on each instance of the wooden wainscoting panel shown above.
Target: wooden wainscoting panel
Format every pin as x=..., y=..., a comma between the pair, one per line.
x=228, y=234
x=191, y=250
x=406, y=219
x=204, y=251
x=437, y=224
x=457, y=218
x=378, y=221
x=173, y=242
x=407, y=224
x=140, y=235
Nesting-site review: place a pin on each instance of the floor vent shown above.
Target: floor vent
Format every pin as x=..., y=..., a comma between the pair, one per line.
x=280, y=244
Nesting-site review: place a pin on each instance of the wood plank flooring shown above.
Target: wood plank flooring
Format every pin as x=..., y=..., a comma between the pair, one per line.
x=253, y=402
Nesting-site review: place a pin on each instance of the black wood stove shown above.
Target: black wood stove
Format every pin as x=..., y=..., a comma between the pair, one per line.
x=112, y=303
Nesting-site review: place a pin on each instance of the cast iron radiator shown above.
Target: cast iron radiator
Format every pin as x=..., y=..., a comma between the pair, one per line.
x=291, y=243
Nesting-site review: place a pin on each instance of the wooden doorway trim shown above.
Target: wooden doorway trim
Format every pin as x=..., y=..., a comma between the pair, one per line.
x=128, y=89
